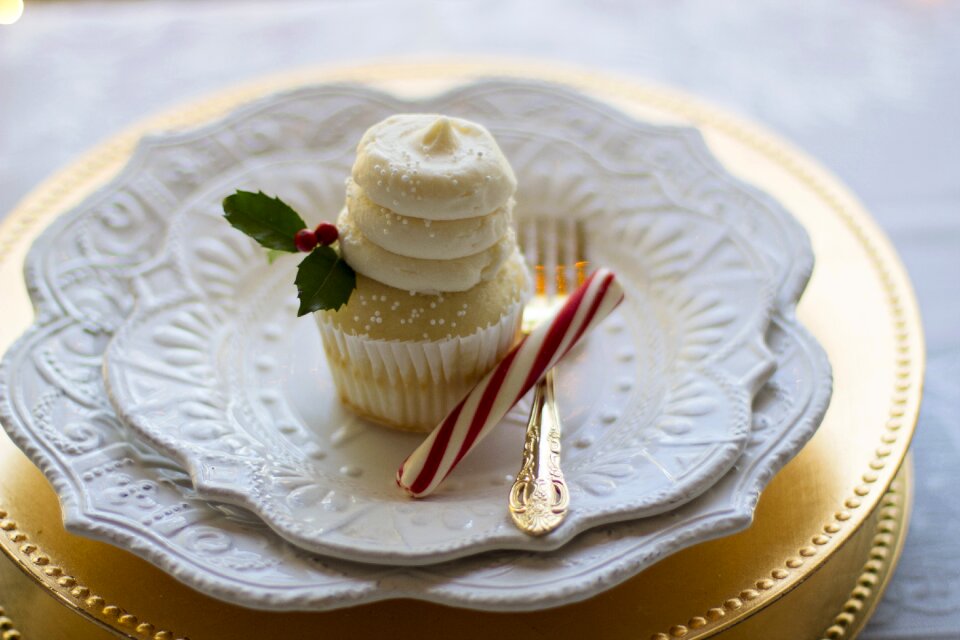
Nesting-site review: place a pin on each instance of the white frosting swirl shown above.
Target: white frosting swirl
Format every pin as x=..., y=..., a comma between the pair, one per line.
x=429, y=205
x=434, y=167
x=419, y=274
x=422, y=238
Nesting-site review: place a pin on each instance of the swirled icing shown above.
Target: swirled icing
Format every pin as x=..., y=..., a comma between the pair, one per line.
x=423, y=238
x=429, y=205
x=422, y=275
x=434, y=167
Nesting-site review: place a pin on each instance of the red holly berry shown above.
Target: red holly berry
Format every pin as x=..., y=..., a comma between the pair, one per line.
x=305, y=240
x=326, y=233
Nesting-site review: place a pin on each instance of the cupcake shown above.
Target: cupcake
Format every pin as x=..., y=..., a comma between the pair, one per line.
x=440, y=283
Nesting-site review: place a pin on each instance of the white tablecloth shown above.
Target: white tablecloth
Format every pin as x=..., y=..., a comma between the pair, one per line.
x=870, y=87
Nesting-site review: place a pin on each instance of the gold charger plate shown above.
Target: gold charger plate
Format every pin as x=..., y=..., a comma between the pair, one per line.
x=828, y=529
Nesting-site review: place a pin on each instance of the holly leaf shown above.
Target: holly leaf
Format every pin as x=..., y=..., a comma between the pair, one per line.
x=273, y=254
x=269, y=221
x=324, y=281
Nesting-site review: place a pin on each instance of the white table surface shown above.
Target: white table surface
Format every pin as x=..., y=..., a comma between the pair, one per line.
x=870, y=87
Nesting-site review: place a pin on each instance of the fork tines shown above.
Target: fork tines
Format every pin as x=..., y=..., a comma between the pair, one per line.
x=555, y=249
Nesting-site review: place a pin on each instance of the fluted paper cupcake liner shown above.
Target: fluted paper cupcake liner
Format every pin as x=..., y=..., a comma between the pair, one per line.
x=408, y=384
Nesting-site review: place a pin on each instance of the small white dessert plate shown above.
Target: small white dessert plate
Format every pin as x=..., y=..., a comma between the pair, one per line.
x=214, y=368
x=115, y=488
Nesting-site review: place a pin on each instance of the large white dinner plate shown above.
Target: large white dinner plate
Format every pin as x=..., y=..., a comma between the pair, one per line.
x=114, y=488
x=214, y=369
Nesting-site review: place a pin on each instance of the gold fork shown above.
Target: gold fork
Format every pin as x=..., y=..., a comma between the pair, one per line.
x=539, y=498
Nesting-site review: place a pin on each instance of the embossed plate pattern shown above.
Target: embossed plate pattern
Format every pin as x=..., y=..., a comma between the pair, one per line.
x=214, y=368
x=118, y=490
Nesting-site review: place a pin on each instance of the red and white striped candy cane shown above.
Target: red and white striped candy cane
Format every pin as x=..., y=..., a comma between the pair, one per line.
x=486, y=404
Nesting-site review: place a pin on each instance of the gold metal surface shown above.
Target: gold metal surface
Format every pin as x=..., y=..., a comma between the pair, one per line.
x=539, y=498
x=812, y=564
x=836, y=601
x=7, y=630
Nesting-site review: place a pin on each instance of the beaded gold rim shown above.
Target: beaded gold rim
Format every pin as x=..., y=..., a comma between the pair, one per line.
x=885, y=549
x=887, y=544
x=888, y=455
x=7, y=630
x=901, y=387
x=37, y=563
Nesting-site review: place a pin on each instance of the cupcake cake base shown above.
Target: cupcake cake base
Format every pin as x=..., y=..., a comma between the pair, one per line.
x=428, y=350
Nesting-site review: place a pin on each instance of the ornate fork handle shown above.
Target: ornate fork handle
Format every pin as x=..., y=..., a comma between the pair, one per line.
x=539, y=498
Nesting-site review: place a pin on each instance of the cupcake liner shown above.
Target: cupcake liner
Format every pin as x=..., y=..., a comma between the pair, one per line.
x=409, y=384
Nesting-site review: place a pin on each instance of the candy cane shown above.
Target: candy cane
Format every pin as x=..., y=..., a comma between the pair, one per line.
x=487, y=403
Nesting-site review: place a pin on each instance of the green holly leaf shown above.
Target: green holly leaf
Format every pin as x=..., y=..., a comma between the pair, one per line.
x=269, y=221
x=324, y=281
x=273, y=254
